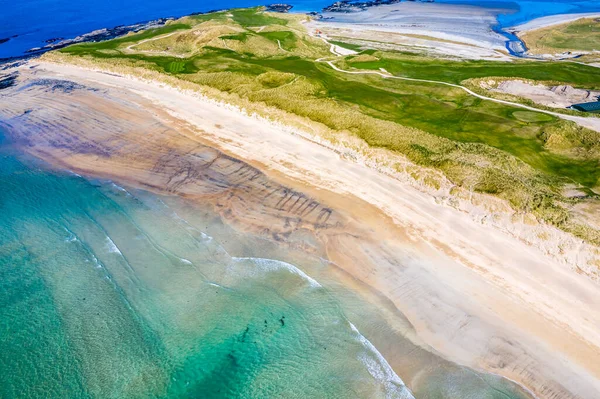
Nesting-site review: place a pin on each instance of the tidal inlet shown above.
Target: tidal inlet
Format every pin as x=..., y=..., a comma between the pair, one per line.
x=260, y=203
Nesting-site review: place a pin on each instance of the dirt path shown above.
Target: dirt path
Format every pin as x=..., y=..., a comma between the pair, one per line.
x=131, y=50
x=590, y=123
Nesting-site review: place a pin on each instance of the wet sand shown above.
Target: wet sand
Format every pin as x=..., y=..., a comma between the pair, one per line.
x=456, y=287
x=463, y=31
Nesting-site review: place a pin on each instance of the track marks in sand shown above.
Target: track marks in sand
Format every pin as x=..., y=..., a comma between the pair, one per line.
x=141, y=149
x=590, y=123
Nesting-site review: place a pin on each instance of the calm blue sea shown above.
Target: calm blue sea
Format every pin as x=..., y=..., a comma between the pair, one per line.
x=519, y=11
x=34, y=21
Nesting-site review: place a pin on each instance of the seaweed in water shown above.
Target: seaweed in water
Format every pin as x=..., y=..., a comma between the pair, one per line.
x=10, y=65
x=243, y=339
x=9, y=80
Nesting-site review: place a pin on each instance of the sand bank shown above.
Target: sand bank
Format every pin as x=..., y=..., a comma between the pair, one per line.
x=551, y=20
x=461, y=30
x=469, y=289
x=551, y=96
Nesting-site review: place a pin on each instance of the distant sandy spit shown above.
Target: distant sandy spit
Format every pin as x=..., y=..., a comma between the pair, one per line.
x=551, y=20
x=469, y=25
x=475, y=293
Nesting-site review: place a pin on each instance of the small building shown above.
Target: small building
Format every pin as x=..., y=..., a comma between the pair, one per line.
x=587, y=107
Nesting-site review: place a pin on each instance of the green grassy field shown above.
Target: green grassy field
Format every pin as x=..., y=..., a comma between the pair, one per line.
x=580, y=35
x=522, y=156
x=452, y=71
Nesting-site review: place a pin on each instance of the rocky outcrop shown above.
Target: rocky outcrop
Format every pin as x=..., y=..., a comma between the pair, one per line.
x=278, y=7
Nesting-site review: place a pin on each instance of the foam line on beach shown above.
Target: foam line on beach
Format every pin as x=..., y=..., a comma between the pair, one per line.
x=381, y=370
x=269, y=265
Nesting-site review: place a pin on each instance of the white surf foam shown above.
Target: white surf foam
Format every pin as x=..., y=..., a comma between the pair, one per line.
x=120, y=188
x=72, y=237
x=273, y=265
x=381, y=370
x=176, y=216
x=112, y=248
x=206, y=236
x=96, y=262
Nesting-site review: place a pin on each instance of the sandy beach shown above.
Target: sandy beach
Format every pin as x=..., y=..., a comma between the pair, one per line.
x=479, y=289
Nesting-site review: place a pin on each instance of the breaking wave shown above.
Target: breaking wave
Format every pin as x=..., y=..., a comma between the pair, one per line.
x=269, y=265
x=380, y=369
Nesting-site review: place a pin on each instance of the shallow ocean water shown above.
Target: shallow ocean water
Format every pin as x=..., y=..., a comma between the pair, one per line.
x=109, y=294
x=112, y=292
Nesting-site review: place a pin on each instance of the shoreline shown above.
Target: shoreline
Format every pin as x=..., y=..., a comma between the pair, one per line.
x=514, y=48
x=468, y=24
x=521, y=32
x=447, y=265
x=93, y=36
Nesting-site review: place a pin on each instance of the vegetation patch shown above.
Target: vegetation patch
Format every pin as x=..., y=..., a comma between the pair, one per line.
x=531, y=117
x=267, y=61
x=349, y=46
x=451, y=71
x=580, y=35
x=176, y=67
x=286, y=39
x=247, y=17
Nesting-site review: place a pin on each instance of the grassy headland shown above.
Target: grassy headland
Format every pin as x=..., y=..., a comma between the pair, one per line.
x=269, y=60
x=580, y=35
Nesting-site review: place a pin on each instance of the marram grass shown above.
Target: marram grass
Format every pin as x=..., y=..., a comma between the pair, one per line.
x=267, y=64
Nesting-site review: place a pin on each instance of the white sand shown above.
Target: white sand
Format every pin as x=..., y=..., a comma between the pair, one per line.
x=555, y=96
x=478, y=295
x=551, y=21
x=449, y=22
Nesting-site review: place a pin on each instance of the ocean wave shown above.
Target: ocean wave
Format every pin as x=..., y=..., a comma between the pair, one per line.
x=115, y=185
x=97, y=263
x=72, y=236
x=184, y=222
x=112, y=248
x=381, y=370
x=273, y=265
x=205, y=236
x=74, y=174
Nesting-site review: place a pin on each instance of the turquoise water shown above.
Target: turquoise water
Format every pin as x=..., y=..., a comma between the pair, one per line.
x=107, y=293
x=111, y=293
